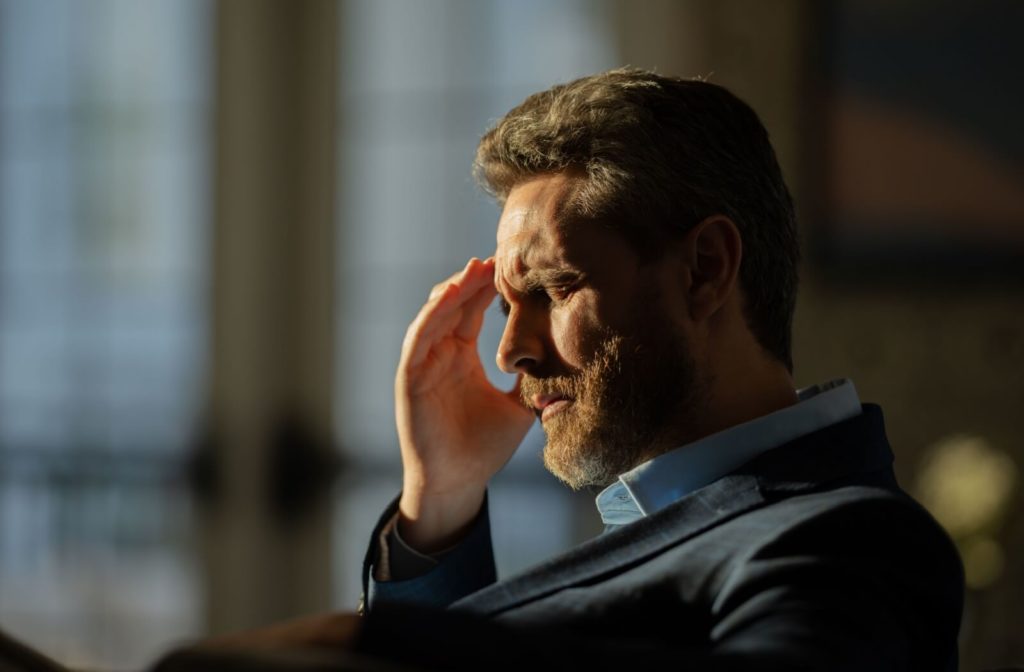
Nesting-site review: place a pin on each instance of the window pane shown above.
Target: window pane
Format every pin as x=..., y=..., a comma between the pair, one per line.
x=104, y=115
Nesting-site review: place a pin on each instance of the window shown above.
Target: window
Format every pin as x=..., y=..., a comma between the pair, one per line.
x=104, y=112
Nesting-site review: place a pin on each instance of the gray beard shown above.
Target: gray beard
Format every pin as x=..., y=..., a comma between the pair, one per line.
x=626, y=399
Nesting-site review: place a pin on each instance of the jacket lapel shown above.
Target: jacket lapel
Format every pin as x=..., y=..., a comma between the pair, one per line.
x=615, y=551
x=843, y=450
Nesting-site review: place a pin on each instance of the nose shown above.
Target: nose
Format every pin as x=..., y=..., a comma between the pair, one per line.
x=521, y=349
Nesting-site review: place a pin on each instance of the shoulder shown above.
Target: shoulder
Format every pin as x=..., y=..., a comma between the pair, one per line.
x=873, y=547
x=855, y=574
x=853, y=515
x=847, y=524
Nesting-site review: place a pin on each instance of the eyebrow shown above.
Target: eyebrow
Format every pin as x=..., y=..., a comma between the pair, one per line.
x=539, y=278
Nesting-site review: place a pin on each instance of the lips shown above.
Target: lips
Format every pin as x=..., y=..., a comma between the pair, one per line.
x=547, y=405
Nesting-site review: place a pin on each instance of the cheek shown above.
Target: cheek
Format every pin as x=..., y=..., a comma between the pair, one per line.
x=575, y=332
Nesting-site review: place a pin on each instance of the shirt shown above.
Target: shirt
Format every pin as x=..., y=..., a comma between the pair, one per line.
x=671, y=476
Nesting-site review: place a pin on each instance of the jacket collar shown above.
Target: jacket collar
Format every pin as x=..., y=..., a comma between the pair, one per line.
x=845, y=452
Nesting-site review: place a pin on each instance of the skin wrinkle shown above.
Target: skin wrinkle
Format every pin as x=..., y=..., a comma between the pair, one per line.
x=538, y=279
x=606, y=346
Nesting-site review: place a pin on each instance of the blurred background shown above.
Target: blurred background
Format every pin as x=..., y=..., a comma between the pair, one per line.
x=218, y=216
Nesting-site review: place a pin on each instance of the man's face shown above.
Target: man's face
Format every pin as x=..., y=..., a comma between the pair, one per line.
x=597, y=334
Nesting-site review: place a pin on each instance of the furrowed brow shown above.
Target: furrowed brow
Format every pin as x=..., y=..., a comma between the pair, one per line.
x=539, y=278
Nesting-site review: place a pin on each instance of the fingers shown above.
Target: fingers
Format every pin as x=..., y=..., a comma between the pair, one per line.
x=478, y=276
x=439, y=312
x=453, y=305
x=474, y=272
x=472, y=317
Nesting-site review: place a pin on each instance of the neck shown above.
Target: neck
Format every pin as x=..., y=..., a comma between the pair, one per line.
x=735, y=399
x=732, y=394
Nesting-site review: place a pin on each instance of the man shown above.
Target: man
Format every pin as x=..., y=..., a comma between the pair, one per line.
x=646, y=260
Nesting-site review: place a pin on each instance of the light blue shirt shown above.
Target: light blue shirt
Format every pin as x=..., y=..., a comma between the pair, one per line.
x=667, y=478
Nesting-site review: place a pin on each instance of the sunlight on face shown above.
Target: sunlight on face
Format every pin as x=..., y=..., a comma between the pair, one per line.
x=622, y=399
x=590, y=328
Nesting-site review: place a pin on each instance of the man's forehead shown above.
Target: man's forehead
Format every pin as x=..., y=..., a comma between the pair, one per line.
x=514, y=223
x=533, y=205
x=526, y=239
x=520, y=247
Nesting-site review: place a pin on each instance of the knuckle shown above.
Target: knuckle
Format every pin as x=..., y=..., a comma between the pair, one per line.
x=439, y=288
x=412, y=332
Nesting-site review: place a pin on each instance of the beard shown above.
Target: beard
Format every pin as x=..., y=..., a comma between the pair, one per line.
x=628, y=402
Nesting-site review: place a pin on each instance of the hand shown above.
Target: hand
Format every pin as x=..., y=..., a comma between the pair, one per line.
x=456, y=430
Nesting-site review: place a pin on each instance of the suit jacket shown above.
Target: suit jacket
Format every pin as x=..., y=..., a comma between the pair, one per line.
x=808, y=557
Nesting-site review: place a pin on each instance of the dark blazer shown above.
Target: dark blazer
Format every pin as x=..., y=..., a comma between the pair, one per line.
x=808, y=557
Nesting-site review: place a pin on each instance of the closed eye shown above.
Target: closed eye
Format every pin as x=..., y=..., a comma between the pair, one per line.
x=549, y=287
x=559, y=293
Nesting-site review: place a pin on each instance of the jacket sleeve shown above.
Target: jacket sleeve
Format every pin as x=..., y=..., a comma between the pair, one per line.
x=872, y=586
x=460, y=571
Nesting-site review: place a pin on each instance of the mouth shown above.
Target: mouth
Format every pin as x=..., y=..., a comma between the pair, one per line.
x=548, y=405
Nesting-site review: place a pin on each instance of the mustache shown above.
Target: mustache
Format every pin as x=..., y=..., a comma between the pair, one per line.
x=567, y=386
x=579, y=383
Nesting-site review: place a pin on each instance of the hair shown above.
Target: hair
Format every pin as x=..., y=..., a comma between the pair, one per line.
x=656, y=155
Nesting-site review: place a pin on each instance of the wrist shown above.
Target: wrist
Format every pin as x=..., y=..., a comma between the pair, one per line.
x=432, y=522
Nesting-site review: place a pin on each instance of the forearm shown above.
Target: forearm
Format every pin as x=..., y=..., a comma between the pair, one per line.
x=463, y=568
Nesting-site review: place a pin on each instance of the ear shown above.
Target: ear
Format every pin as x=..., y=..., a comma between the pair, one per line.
x=713, y=250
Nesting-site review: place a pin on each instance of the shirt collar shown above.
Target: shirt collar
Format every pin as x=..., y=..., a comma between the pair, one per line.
x=667, y=478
